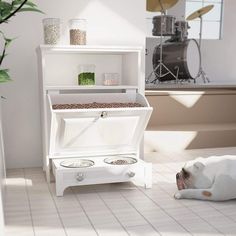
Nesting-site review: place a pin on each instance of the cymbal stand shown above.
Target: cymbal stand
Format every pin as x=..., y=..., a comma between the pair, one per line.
x=202, y=73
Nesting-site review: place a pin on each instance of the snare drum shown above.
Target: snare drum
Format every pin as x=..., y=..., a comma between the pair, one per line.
x=163, y=23
x=184, y=56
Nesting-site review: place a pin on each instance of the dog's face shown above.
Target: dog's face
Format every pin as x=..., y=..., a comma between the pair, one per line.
x=191, y=176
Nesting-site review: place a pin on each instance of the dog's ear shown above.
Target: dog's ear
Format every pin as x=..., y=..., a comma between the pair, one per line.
x=199, y=166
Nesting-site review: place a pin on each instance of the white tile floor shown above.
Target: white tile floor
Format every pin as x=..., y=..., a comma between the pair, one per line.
x=115, y=209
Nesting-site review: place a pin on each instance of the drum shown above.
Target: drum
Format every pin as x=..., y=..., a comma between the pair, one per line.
x=181, y=30
x=167, y=23
x=183, y=55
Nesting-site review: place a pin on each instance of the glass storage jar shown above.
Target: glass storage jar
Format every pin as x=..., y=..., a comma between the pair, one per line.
x=78, y=31
x=86, y=75
x=111, y=79
x=52, y=30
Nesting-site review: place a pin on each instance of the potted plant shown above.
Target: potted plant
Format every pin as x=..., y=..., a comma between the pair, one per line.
x=8, y=9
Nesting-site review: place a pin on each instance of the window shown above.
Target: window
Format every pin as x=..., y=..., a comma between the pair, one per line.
x=212, y=21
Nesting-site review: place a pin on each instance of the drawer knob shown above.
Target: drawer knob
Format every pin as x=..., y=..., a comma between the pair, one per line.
x=80, y=177
x=104, y=114
x=131, y=174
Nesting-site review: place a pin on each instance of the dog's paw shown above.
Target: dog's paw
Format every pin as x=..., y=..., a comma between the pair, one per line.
x=177, y=195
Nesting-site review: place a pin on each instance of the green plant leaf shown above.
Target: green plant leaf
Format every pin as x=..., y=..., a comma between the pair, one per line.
x=8, y=10
x=5, y=5
x=29, y=9
x=4, y=76
x=5, y=9
x=28, y=3
x=7, y=40
x=3, y=56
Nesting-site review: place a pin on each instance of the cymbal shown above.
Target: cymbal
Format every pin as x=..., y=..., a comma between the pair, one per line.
x=155, y=5
x=200, y=12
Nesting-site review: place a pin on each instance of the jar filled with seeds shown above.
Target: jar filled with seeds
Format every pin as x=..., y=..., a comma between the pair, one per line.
x=52, y=30
x=86, y=75
x=78, y=31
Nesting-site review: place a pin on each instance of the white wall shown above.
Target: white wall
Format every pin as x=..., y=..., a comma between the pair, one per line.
x=218, y=56
x=2, y=175
x=110, y=23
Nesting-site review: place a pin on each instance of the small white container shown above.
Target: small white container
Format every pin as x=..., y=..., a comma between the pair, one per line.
x=52, y=30
x=111, y=79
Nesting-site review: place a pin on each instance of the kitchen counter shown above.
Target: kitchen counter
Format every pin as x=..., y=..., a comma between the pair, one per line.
x=191, y=86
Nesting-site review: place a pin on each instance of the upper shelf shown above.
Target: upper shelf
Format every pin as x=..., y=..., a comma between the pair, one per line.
x=88, y=49
x=60, y=66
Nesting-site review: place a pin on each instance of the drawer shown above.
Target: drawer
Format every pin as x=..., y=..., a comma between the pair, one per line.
x=99, y=173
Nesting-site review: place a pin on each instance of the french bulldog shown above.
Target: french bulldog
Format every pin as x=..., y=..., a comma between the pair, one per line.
x=212, y=179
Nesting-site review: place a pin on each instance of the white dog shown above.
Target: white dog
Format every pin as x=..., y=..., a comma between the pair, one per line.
x=212, y=178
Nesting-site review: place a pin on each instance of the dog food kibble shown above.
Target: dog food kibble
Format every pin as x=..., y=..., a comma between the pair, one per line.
x=119, y=162
x=95, y=105
x=77, y=37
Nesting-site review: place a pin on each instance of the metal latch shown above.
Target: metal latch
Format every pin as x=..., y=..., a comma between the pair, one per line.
x=104, y=114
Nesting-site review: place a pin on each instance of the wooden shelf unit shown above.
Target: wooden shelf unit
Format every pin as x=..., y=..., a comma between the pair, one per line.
x=58, y=74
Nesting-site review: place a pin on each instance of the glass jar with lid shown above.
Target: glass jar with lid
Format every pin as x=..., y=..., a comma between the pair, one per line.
x=111, y=79
x=78, y=31
x=52, y=30
x=86, y=75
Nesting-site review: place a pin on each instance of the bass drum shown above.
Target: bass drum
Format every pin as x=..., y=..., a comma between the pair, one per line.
x=183, y=55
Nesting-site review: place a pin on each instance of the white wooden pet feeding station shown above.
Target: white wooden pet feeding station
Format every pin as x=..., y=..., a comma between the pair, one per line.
x=95, y=145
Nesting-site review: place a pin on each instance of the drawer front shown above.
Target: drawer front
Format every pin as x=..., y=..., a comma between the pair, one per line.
x=98, y=175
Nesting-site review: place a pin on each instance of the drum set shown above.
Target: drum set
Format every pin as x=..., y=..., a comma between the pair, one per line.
x=178, y=58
